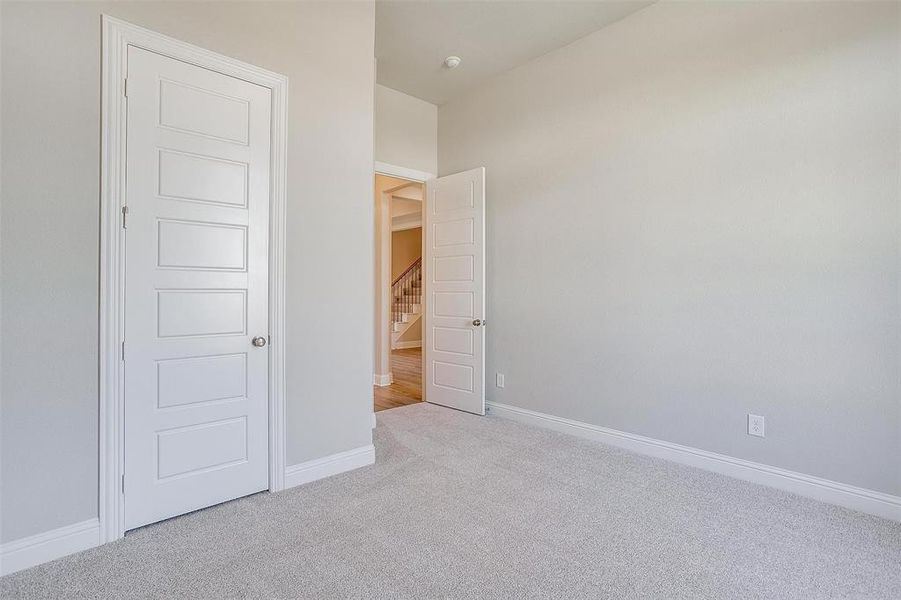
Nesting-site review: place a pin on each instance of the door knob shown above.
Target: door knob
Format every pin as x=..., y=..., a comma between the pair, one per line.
x=258, y=341
x=479, y=322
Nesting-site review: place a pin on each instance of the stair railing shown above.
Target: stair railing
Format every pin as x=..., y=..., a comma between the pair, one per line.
x=406, y=291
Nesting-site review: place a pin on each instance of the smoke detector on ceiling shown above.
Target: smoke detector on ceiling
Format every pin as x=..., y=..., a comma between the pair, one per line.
x=452, y=62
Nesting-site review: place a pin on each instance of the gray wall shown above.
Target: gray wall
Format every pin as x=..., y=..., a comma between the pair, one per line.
x=406, y=130
x=50, y=228
x=694, y=214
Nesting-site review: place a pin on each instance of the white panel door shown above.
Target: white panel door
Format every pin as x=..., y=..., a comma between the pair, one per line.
x=196, y=288
x=454, y=269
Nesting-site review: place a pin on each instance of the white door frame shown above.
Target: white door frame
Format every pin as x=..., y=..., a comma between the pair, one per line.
x=117, y=36
x=383, y=331
x=403, y=172
x=383, y=375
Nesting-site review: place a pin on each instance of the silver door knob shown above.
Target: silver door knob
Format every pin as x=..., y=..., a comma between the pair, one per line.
x=258, y=341
x=478, y=322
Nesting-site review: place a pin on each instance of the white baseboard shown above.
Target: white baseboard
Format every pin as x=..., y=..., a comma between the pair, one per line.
x=330, y=465
x=57, y=543
x=410, y=344
x=824, y=490
x=373, y=421
x=47, y=546
x=382, y=380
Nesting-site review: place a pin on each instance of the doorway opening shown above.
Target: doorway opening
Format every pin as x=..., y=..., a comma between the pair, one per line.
x=447, y=279
x=399, y=294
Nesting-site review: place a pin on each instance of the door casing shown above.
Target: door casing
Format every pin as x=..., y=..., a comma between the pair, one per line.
x=117, y=35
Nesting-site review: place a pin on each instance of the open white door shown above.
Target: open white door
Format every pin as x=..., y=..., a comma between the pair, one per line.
x=454, y=276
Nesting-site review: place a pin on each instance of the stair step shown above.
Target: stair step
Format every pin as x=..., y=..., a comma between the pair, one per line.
x=397, y=326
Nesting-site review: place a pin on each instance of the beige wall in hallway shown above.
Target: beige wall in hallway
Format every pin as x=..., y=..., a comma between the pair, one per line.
x=406, y=247
x=413, y=334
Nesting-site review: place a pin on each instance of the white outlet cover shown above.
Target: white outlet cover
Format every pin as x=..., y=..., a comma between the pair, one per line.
x=500, y=380
x=756, y=425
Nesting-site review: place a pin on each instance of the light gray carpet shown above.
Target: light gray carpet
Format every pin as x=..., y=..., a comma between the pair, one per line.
x=469, y=507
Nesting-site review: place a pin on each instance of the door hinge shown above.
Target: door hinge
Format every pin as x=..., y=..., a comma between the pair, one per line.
x=124, y=217
x=123, y=483
x=123, y=351
x=125, y=88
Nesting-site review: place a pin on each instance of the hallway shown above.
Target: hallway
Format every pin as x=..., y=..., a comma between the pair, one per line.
x=406, y=365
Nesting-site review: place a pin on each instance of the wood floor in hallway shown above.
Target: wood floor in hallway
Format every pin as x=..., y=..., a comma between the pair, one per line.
x=406, y=365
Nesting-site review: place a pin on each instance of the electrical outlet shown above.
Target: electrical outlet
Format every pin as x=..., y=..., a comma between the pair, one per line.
x=500, y=380
x=756, y=426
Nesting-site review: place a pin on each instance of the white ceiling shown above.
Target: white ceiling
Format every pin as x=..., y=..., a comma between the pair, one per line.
x=406, y=213
x=412, y=39
x=411, y=192
x=401, y=207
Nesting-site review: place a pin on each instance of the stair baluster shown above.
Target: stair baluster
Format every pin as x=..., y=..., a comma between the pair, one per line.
x=406, y=291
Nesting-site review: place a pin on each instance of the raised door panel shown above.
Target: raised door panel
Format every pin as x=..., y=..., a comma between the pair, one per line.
x=203, y=111
x=199, y=178
x=186, y=381
x=197, y=245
